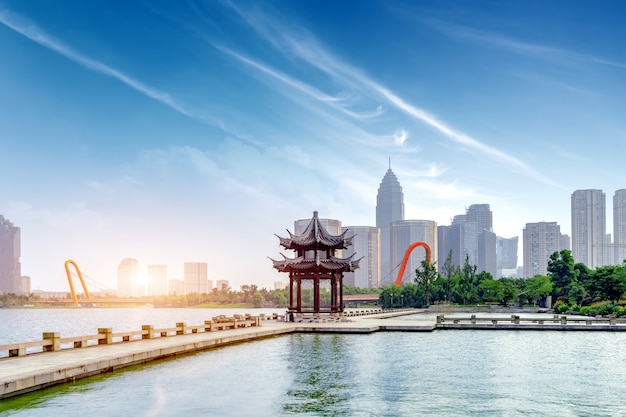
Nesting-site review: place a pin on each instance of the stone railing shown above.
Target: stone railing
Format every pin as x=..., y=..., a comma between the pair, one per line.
x=52, y=341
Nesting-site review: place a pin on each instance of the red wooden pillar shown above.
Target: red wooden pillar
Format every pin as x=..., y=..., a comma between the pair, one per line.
x=340, y=283
x=290, y=291
x=316, y=293
x=299, y=295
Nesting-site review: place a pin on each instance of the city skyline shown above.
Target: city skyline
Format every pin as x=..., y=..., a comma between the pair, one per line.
x=170, y=131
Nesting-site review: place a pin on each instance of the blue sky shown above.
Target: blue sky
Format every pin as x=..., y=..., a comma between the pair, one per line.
x=194, y=131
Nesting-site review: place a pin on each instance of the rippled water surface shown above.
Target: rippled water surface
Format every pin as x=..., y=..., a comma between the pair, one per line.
x=441, y=373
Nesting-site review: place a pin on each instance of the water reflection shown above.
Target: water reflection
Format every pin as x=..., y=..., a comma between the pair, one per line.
x=321, y=375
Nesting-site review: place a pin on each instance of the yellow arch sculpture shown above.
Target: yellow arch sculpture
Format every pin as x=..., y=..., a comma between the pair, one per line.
x=80, y=276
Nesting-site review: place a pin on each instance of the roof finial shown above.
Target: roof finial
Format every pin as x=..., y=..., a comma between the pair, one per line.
x=389, y=162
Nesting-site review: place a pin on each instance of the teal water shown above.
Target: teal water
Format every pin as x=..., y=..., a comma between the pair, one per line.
x=442, y=373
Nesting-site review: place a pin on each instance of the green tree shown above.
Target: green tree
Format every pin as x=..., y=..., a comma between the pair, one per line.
x=491, y=291
x=538, y=287
x=425, y=277
x=609, y=282
x=467, y=288
x=563, y=274
x=258, y=300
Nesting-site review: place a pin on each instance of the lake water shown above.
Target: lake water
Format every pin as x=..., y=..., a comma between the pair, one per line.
x=440, y=373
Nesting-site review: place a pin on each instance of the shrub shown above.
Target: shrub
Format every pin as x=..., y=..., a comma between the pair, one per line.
x=561, y=307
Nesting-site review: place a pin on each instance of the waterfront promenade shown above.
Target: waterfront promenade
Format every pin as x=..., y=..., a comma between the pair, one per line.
x=29, y=372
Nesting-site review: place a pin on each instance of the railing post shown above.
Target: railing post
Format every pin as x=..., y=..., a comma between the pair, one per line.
x=563, y=319
x=612, y=320
x=181, y=328
x=148, y=331
x=55, y=338
x=20, y=351
x=108, y=335
x=473, y=319
x=440, y=318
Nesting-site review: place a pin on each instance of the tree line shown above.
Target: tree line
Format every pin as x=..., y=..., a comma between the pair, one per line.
x=573, y=287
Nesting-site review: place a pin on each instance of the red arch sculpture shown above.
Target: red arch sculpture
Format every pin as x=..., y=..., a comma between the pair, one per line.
x=407, y=254
x=80, y=276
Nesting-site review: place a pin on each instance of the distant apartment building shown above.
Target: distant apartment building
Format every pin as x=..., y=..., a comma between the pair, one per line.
x=176, y=287
x=222, y=285
x=10, y=252
x=365, y=246
x=403, y=234
x=196, y=277
x=540, y=240
x=157, y=279
x=506, y=257
x=619, y=226
x=588, y=209
x=128, y=278
x=280, y=285
x=25, y=285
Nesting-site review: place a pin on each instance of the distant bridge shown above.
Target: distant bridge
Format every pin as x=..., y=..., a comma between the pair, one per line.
x=359, y=298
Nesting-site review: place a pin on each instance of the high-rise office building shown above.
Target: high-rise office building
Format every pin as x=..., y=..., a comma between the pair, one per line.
x=196, y=278
x=506, y=256
x=365, y=245
x=460, y=240
x=589, y=227
x=619, y=226
x=128, y=278
x=481, y=215
x=406, y=232
x=470, y=236
x=157, y=279
x=389, y=209
x=10, y=251
x=540, y=240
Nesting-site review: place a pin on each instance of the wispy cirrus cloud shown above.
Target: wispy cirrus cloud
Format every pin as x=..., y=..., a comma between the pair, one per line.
x=305, y=47
x=545, y=52
x=39, y=36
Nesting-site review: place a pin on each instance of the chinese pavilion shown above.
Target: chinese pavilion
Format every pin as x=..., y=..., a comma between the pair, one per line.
x=314, y=263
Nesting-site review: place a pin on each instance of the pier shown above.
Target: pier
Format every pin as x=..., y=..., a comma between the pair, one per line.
x=54, y=360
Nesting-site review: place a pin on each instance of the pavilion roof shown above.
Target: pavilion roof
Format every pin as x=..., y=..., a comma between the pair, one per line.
x=315, y=236
x=332, y=264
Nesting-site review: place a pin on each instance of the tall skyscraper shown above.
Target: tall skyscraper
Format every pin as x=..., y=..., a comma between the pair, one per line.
x=366, y=245
x=619, y=226
x=406, y=232
x=196, y=278
x=10, y=248
x=128, y=278
x=157, y=279
x=389, y=209
x=589, y=227
x=540, y=241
